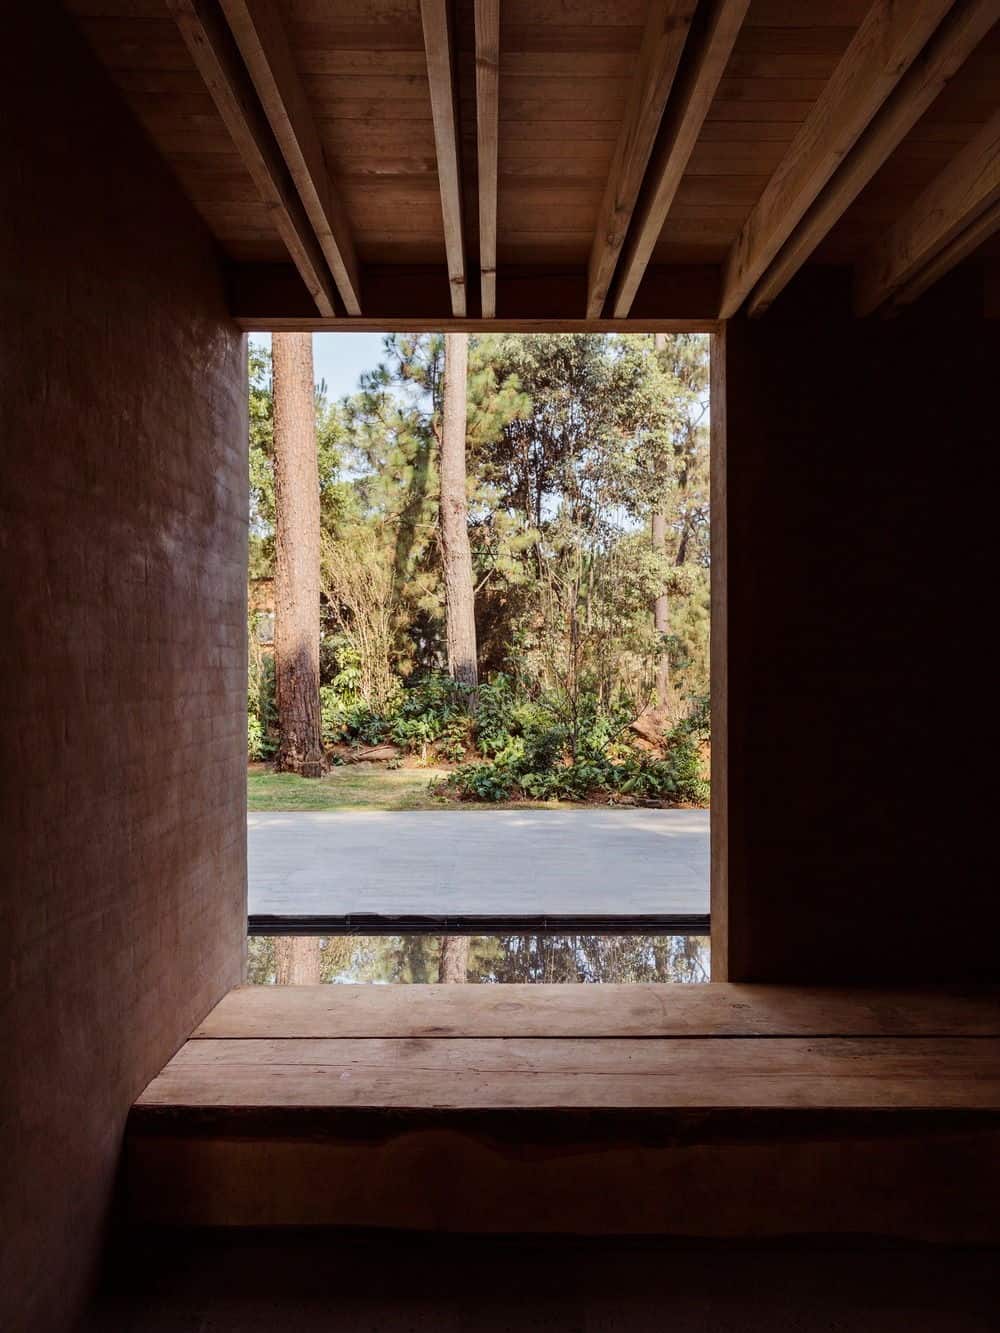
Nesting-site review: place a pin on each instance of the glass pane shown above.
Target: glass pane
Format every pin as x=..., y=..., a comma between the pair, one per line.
x=310, y=959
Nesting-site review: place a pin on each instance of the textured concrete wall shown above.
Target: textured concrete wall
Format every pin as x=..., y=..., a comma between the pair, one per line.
x=860, y=485
x=123, y=520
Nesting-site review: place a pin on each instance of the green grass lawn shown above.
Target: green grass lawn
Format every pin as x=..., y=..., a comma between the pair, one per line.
x=353, y=787
x=366, y=787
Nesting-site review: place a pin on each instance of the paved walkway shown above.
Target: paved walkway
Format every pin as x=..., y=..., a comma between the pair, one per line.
x=479, y=862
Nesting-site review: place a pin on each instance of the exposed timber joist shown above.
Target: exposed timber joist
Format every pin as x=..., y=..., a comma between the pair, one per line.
x=891, y=36
x=261, y=37
x=968, y=241
x=667, y=27
x=435, y=18
x=487, y=139
x=954, y=215
x=214, y=52
x=961, y=32
x=685, y=115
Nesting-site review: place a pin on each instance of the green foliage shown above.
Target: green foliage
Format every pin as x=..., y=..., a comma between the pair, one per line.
x=262, y=708
x=674, y=778
x=573, y=443
x=484, y=782
x=345, y=713
x=434, y=711
x=511, y=727
x=431, y=713
x=534, y=755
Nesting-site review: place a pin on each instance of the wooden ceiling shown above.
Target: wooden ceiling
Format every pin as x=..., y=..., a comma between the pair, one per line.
x=376, y=163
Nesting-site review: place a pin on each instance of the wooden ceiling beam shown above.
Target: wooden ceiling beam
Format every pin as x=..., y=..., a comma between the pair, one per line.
x=263, y=43
x=487, y=141
x=889, y=39
x=954, y=215
x=685, y=115
x=961, y=32
x=438, y=45
x=667, y=26
x=214, y=52
x=966, y=243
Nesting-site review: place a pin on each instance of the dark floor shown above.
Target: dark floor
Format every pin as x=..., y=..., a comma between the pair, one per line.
x=303, y=1282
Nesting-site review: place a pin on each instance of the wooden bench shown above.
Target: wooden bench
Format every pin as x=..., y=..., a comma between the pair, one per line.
x=720, y=1111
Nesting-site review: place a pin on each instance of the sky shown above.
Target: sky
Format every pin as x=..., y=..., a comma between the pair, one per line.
x=339, y=358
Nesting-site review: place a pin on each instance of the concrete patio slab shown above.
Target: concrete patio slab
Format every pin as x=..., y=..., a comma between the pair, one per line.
x=478, y=862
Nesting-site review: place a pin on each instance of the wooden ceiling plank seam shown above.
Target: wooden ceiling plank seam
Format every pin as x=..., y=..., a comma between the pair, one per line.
x=664, y=36
x=686, y=111
x=263, y=43
x=213, y=50
x=487, y=22
x=961, y=197
x=959, y=35
x=890, y=37
x=439, y=47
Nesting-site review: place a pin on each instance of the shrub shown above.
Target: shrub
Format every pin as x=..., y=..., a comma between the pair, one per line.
x=676, y=778
x=545, y=747
x=531, y=755
x=491, y=781
x=346, y=713
x=255, y=736
x=434, y=711
x=262, y=709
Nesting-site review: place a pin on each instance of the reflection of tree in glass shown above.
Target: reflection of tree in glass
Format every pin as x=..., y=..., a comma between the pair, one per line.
x=591, y=958
x=492, y=959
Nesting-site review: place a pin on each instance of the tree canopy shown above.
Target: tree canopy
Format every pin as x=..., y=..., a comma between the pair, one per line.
x=573, y=443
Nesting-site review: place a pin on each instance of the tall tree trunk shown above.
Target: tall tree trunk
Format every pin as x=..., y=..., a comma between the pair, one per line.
x=661, y=617
x=453, y=965
x=297, y=960
x=661, y=609
x=297, y=557
x=459, y=594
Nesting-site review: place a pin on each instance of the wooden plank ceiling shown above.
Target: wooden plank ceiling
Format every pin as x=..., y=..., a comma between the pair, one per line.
x=384, y=162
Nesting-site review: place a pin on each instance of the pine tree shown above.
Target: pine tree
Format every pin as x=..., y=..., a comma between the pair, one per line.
x=456, y=553
x=661, y=606
x=297, y=557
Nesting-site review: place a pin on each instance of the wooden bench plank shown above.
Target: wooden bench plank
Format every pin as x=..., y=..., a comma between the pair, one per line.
x=720, y=1010
x=509, y=1072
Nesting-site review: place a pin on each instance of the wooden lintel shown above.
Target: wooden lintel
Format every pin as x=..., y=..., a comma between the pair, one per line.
x=949, y=219
x=487, y=140
x=214, y=52
x=671, y=299
x=263, y=43
x=889, y=39
x=667, y=26
x=685, y=115
x=959, y=35
x=435, y=19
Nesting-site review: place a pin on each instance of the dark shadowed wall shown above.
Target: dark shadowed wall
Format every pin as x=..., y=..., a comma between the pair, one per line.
x=860, y=494
x=123, y=521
